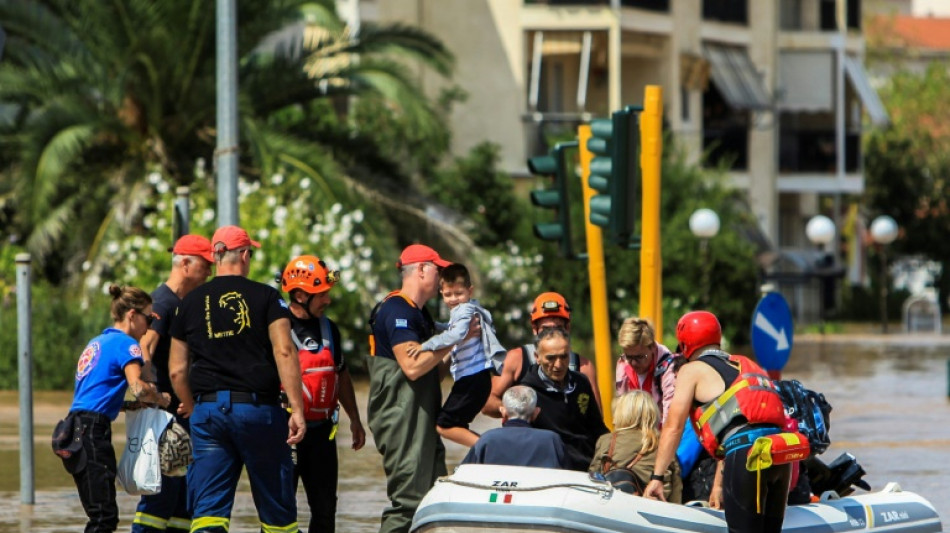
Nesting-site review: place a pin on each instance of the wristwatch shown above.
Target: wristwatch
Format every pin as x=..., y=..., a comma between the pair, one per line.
x=656, y=477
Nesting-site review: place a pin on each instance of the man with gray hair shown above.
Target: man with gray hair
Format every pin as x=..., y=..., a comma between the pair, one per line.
x=516, y=443
x=231, y=352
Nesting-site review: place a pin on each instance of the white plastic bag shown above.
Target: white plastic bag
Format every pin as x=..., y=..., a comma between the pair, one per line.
x=140, y=469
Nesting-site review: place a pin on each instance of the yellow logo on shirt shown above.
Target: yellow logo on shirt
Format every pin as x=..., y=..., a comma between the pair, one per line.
x=583, y=402
x=234, y=303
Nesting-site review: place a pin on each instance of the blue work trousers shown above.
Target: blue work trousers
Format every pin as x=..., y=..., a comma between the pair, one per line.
x=227, y=436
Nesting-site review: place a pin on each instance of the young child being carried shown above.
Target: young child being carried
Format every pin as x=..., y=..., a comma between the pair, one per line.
x=471, y=358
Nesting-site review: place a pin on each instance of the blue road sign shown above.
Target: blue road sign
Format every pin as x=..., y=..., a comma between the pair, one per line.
x=772, y=331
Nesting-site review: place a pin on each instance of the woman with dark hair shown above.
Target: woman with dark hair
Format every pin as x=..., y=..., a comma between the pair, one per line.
x=110, y=364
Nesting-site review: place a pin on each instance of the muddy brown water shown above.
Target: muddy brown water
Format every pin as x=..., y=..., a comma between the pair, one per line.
x=891, y=410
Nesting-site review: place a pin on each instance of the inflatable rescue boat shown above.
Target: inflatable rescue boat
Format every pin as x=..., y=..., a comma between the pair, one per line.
x=505, y=499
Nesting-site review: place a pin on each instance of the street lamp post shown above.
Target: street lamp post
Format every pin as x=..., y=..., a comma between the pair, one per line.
x=704, y=224
x=883, y=232
x=820, y=230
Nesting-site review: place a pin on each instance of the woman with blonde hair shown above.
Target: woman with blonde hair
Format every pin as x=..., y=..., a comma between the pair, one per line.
x=644, y=364
x=633, y=447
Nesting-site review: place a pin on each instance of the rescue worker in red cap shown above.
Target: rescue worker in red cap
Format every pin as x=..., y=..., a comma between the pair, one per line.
x=549, y=310
x=732, y=403
x=326, y=386
x=405, y=395
x=231, y=353
x=191, y=266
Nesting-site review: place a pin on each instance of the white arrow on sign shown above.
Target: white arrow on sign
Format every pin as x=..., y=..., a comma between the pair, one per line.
x=781, y=339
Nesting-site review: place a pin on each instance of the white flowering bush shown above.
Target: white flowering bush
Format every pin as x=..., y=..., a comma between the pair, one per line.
x=293, y=214
x=510, y=284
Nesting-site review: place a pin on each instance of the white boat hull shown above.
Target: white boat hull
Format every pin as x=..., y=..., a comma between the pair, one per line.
x=503, y=499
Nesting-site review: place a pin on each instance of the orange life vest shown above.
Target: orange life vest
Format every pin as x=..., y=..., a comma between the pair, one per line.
x=751, y=396
x=319, y=372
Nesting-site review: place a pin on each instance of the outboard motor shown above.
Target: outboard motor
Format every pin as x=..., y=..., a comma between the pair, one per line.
x=841, y=476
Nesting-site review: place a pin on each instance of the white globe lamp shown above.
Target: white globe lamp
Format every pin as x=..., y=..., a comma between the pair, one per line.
x=884, y=230
x=820, y=230
x=704, y=223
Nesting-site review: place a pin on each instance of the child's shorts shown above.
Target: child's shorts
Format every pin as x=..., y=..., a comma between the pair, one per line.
x=465, y=401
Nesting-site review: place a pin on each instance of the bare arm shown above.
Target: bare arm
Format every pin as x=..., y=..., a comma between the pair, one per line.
x=715, y=495
x=414, y=367
x=673, y=428
x=587, y=368
x=143, y=391
x=499, y=384
x=288, y=367
x=348, y=401
x=149, y=342
x=178, y=372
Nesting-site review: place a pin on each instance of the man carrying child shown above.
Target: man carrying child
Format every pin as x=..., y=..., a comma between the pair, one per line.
x=471, y=357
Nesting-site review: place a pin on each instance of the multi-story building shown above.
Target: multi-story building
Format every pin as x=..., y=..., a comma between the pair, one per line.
x=751, y=83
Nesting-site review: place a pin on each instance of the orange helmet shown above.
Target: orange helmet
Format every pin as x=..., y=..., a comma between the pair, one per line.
x=549, y=304
x=309, y=274
x=697, y=329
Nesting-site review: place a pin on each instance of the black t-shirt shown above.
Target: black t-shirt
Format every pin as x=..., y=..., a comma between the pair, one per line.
x=225, y=323
x=397, y=321
x=164, y=304
x=310, y=336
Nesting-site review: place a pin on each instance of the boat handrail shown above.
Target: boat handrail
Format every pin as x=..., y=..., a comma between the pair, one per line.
x=606, y=489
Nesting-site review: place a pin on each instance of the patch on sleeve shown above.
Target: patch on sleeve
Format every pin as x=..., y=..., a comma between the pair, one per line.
x=402, y=323
x=135, y=351
x=283, y=303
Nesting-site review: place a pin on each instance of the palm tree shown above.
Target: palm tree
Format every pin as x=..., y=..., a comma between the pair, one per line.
x=104, y=93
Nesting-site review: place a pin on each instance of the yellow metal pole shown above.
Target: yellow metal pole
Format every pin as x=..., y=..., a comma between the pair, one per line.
x=598, y=285
x=651, y=260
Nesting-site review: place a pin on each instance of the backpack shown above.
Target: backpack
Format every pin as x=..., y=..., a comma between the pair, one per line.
x=621, y=476
x=810, y=409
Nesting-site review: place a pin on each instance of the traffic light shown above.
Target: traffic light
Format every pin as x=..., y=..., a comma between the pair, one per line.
x=554, y=166
x=615, y=174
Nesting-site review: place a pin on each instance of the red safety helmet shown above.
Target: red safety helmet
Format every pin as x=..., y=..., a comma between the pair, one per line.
x=549, y=304
x=309, y=274
x=697, y=329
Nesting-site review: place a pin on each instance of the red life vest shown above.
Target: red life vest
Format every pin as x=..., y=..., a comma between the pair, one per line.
x=751, y=396
x=319, y=372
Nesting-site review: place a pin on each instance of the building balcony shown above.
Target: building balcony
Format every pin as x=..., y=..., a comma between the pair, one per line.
x=649, y=5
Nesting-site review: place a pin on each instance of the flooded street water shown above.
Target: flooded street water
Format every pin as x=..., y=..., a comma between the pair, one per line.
x=890, y=410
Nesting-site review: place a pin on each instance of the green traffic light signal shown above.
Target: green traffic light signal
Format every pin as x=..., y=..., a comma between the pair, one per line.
x=545, y=165
x=615, y=173
x=554, y=166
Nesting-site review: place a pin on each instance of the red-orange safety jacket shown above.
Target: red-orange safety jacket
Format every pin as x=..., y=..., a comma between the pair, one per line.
x=752, y=396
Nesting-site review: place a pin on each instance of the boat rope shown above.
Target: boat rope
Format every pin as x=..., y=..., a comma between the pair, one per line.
x=579, y=486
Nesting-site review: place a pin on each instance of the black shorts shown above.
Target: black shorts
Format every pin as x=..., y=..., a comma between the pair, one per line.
x=465, y=401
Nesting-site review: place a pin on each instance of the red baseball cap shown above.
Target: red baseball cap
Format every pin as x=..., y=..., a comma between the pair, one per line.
x=193, y=245
x=420, y=253
x=233, y=237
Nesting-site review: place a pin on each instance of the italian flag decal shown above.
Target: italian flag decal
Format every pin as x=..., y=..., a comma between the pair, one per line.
x=494, y=498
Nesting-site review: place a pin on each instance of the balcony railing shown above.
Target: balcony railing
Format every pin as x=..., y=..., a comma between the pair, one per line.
x=650, y=5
